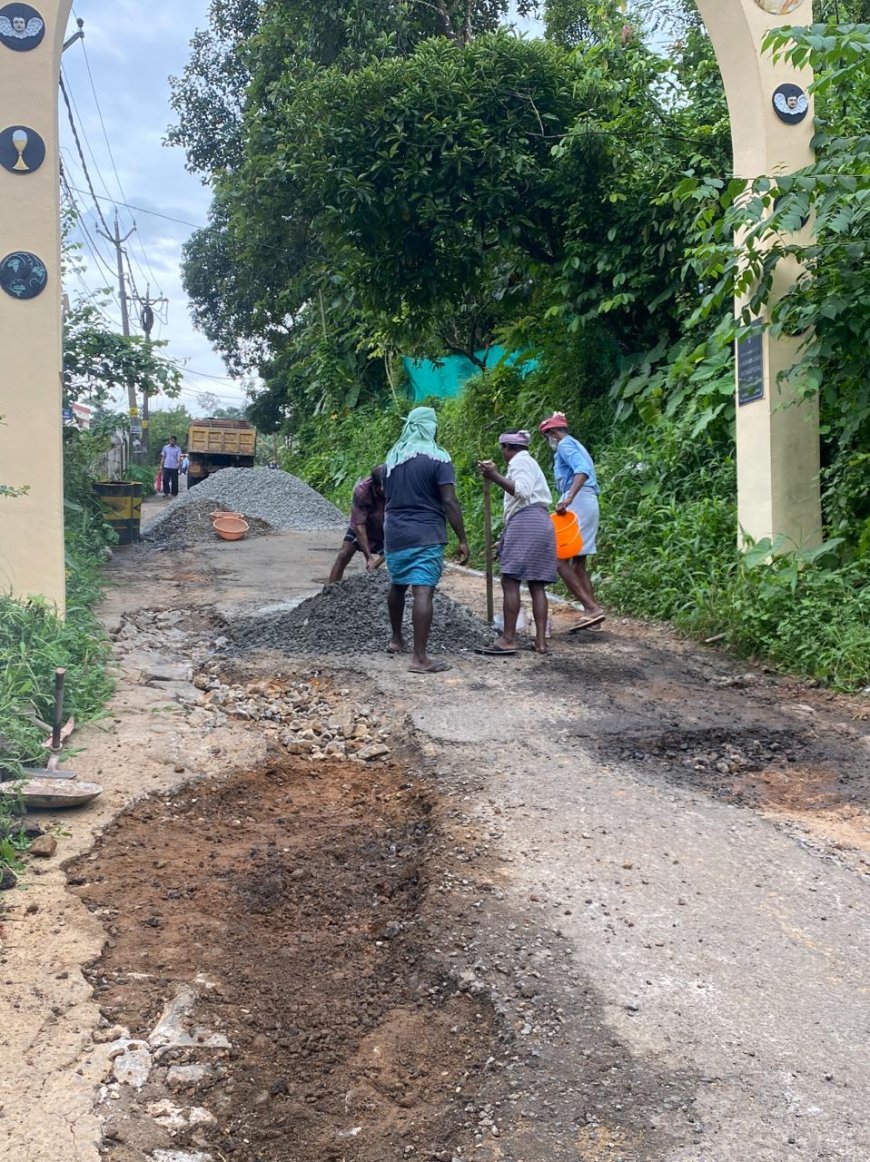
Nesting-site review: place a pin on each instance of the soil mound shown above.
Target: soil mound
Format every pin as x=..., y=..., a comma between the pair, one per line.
x=351, y=618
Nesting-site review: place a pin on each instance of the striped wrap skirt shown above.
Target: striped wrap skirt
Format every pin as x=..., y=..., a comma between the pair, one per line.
x=527, y=547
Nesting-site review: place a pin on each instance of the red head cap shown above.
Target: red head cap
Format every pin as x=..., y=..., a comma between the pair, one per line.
x=556, y=420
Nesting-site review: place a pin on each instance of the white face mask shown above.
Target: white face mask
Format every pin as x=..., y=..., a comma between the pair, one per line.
x=553, y=441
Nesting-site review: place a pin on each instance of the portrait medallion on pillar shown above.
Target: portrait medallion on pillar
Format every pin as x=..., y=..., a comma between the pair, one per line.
x=779, y=7
x=21, y=27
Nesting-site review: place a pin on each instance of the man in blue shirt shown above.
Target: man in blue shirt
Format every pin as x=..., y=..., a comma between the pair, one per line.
x=170, y=462
x=577, y=487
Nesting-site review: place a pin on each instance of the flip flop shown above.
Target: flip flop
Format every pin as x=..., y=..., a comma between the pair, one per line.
x=437, y=667
x=588, y=622
x=495, y=651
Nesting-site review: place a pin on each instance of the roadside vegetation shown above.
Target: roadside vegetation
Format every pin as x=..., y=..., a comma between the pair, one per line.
x=34, y=642
x=413, y=180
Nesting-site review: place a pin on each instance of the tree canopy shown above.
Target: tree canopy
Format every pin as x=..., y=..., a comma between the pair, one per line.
x=97, y=360
x=403, y=178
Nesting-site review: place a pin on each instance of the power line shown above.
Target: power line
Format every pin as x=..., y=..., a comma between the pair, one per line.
x=142, y=210
x=206, y=375
x=69, y=98
x=87, y=61
x=81, y=153
x=102, y=122
x=112, y=156
x=90, y=243
x=87, y=142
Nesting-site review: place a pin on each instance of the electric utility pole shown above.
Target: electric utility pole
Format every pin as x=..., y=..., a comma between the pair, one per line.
x=117, y=241
x=146, y=319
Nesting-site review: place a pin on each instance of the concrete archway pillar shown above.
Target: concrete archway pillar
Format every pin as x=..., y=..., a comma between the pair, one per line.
x=777, y=438
x=31, y=526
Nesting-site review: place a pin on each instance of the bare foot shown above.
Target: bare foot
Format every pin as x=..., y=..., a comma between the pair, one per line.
x=396, y=646
x=429, y=666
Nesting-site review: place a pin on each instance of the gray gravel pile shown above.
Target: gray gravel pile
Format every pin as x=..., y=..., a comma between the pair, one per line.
x=281, y=500
x=351, y=618
x=188, y=523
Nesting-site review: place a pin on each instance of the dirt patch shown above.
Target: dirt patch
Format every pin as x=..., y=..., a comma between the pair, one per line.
x=289, y=899
x=351, y=618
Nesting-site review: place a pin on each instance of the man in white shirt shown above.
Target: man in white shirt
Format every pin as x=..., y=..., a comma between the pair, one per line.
x=170, y=461
x=527, y=548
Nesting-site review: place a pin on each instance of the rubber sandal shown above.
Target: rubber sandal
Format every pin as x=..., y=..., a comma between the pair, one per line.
x=495, y=652
x=588, y=623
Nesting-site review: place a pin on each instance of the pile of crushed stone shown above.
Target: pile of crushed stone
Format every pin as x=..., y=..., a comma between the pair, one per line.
x=351, y=618
x=192, y=522
x=275, y=497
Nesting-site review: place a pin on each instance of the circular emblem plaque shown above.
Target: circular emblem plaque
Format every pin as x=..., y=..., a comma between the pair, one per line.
x=22, y=150
x=790, y=103
x=21, y=27
x=779, y=7
x=23, y=275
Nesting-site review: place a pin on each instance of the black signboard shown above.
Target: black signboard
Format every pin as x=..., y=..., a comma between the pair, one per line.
x=750, y=365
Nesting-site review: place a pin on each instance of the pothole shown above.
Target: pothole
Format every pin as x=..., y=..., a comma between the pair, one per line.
x=271, y=923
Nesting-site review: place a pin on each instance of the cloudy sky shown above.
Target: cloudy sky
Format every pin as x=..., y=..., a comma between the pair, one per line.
x=118, y=84
x=120, y=95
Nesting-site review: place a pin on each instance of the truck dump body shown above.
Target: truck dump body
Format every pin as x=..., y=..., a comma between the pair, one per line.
x=216, y=444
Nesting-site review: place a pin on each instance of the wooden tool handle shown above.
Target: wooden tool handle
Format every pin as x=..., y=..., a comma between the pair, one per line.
x=59, y=676
x=487, y=535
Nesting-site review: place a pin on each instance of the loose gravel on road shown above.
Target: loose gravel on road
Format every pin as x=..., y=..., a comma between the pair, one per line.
x=351, y=618
x=281, y=500
x=192, y=522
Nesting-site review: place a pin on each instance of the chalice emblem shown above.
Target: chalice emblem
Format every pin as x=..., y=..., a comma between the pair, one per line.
x=22, y=150
x=20, y=140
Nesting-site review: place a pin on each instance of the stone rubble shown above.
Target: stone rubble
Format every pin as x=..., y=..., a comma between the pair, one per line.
x=306, y=719
x=172, y=1055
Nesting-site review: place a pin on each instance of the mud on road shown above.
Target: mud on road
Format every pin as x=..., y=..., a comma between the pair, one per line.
x=297, y=892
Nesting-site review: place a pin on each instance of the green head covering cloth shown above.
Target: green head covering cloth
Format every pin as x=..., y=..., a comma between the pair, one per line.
x=417, y=439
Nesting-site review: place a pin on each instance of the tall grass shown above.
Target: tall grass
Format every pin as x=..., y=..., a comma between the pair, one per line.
x=34, y=642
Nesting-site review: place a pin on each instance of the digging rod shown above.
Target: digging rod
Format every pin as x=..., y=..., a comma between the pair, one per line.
x=487, y=541
x=59, y=676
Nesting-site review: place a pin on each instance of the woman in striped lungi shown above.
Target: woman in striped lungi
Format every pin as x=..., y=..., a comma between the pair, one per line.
x=527, y=548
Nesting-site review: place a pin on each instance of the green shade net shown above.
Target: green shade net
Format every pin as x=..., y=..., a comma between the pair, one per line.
x=446, y=378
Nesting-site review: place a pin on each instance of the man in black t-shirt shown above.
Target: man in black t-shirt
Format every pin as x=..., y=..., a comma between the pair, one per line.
x=421, y=499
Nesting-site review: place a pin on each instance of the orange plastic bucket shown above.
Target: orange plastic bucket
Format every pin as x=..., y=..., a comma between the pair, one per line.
x=230, y=528
x=569, y=539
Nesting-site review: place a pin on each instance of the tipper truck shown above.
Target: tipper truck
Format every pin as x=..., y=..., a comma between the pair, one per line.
x=216, y=444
